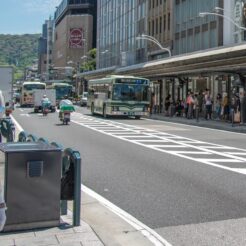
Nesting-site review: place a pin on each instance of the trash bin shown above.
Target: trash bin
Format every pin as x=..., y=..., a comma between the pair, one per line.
x=32, y=174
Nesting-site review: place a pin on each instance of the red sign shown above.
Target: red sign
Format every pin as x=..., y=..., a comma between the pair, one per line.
x=76, y=38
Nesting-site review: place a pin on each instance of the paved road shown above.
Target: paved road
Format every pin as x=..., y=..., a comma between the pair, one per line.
x=180, y=180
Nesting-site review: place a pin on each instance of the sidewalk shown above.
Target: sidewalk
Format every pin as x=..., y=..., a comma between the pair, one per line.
x=213, y=124
x=99, y=226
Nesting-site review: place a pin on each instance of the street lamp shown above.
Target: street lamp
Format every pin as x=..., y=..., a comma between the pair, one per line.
x=152, y=39
x=203, y=14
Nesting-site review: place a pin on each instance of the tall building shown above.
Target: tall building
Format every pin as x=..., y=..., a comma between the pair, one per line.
x=74, y=32
x=119, y=22
x=193, y=32
x=45, y=49
x=160, y=23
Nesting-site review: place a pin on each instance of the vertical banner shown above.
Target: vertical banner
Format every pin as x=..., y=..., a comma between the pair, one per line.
x=76, y=38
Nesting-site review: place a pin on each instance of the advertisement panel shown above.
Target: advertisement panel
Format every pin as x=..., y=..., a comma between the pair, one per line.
x=76, y=38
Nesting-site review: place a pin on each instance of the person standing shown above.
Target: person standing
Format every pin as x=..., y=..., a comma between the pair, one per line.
x=167, y=104
x=208, y=105
x=191, y=105
x=218, y=105
x=225, y=107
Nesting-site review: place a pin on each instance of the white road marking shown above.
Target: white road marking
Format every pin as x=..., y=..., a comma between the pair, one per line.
x=173, y=140
x=27, y=115
x=201, y=127
x=150, y=234
x=153, y=236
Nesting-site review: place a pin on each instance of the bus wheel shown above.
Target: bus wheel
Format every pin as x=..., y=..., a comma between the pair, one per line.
x=137, y=117
x=104, y=111
x=92, y=109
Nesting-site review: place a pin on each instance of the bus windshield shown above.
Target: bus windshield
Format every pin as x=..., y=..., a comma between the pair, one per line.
x=62, y=91
x=130, y=92
x=30, y=87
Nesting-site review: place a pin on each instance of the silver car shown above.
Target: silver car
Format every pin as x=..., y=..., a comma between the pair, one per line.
x=83, y=100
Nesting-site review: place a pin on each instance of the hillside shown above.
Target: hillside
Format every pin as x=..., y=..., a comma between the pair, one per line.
x=18, y=50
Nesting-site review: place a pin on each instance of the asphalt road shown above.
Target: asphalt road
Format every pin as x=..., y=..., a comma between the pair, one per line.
x=180, y=194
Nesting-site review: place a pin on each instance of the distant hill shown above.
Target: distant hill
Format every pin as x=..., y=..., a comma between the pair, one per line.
x=18, y=50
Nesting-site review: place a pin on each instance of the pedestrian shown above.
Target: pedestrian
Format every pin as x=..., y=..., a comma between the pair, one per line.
x=218, y=105
x=200, y=99
x=167, y=104
x=208, y=105
x=195, y=106
x=225, y=107
x=191, y=105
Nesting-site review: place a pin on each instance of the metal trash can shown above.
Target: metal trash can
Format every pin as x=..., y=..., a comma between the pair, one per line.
x=32, y=174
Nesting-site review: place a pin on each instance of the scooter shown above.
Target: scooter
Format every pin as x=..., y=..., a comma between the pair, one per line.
x=45, y=108
x=65, y=117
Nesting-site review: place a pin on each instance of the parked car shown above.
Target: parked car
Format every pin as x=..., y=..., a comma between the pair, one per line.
x=83, y=100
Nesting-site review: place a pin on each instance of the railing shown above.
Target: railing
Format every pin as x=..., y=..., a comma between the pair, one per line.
x=71, y=175
x=7, y=129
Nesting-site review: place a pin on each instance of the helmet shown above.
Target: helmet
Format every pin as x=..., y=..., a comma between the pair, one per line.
x=65, y=97
x=44, y=96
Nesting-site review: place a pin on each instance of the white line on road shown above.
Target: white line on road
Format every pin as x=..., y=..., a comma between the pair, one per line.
x=150, y=234
x=203, y=146
x=153, y=236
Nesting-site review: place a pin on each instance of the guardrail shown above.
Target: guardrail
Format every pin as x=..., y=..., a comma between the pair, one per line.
x=71, y=175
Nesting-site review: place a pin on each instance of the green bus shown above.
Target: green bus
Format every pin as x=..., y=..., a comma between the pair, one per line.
x=62, y=89
x=118, y=95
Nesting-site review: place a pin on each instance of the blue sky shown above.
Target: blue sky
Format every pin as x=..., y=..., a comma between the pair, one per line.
x=25, y=16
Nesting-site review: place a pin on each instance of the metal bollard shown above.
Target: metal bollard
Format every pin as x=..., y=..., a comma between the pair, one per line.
x=75, y=167
x=32, y=138
x=43, y=140
x=23, y=136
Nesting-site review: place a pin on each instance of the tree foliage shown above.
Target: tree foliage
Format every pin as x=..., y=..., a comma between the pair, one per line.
x=18, y=50
x=90, y=62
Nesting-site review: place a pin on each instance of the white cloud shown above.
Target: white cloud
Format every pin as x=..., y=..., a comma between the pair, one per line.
x=43, y=6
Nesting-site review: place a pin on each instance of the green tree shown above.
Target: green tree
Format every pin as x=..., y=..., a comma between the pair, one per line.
x=90, y=61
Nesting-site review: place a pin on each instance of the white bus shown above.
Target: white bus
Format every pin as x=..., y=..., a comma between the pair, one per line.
x=119, y=95
x=26, y=92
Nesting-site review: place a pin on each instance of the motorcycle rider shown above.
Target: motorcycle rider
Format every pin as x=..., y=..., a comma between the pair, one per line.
x=45, y=102
x=65, y=103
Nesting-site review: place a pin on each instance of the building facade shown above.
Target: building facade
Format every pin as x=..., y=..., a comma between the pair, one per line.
x=160, y=23
x=45, y=49
x=119, y=22
x=74, y=32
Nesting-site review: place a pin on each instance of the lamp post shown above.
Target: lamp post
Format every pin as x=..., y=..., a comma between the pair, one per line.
x=203, y=14
x=235, y=22
x=152, y=39
x=77, y=69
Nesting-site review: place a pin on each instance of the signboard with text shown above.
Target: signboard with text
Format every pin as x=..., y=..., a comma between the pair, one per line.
x=76, y=37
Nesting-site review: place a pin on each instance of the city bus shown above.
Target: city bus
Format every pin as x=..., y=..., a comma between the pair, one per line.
x=118, y=95
x=26, y=92
x=62, y=89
